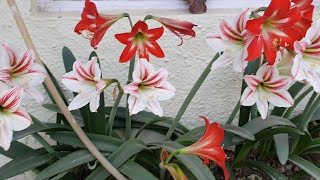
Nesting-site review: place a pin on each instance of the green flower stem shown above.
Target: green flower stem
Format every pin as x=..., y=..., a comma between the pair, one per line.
x=131, y=68
x=190, y=96
x=114, y=110
x=254, y=111
x=147, y=17
x=296, y=102
x=43, y=142
x=234, y=113
x=171, y=156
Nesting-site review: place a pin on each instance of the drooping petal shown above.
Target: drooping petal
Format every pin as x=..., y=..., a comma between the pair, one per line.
x=248, y=97
x=155, y=108
x=19, y=120
x=262, y=105
x=281, y=99
x=94, y=103
x=128, y=53
x=5, y=136
x=136, y=104
x=81, y=100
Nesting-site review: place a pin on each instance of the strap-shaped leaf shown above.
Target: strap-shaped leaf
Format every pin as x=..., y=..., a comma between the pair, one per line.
x=281, y=143
x=119, y=157
x=193, y=163
x=145, y=117
x=258, y=124
x=307, y=166
x=28, y=162
x=16, y=149
x=53, y=107
x=273, y=173
x=136, y=172
x=103, y=143
x=68, y=162
x=242, y=132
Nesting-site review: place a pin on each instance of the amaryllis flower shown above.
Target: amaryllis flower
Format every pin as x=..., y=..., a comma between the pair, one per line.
x=94, y=25
x=148, y=88
x=307, y=60
x=231, y=41
x=12, y=117
x=179, y=28
x=85, y=79
x=266, y=86
x=208, y=147
x=22, y=72
x=280, y=25
x=141, y=40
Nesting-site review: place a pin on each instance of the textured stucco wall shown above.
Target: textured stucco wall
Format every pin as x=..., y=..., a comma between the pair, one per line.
x=51, y=32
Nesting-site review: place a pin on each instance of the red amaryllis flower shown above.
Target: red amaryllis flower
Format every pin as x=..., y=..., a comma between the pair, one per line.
x=94, y=24
x=141, y=39
x=280, y=25
x=209, y=146
x=179, y=28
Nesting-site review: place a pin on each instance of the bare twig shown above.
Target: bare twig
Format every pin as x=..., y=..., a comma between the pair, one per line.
x=52, y=89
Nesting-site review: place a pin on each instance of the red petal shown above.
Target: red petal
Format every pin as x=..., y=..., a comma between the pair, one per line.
x=254, y=49
x=124, y=38
x=98, y=35
x=140, y=26
x=255, y=25
x=278, y=7
x=154, y=48
x=154, y=34
x=128, y=53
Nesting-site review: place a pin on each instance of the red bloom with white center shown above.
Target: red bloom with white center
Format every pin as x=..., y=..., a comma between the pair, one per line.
x=141, y=40
x=208, y=147
x=148, y=88
x=94, y=24
x=280, y=25
x=306, y=64
x=85, y=80
x=232, y=41
x=266, y=86
x=12, y=117
x=179, y=28
x=22, y=72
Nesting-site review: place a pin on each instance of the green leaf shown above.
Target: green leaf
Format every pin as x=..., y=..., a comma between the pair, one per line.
x=273, y=173
x=53, y=107
x=68, y=162
x=258, y=124
x=136, y=172
x=307, y=166
x=16, y=149
x=191, y=136
x=315, y=143
x=192, y=163
x=33, y=128
x=242, y=132
x=281, y=143
x=68, y=59
x=103, y=143
x=59, y=176
x=25, y=163
x=119, y=157
x=145, y=117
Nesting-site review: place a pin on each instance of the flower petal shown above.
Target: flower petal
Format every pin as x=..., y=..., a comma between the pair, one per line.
x=154, y=34
x=281, y=99
x=20, y=120
x=70, y=81
x=154, y=48
x=131, y=88
x=142, y=71
x=128, y=53
x=166, y=91
x=262, y=106
x=248, y=97
x=10, y=99
x=5, y=136
x=94, y=103
x=252, y=81
x=155, y=108
x=81, y=100
x=157, y=79
x=136, y=104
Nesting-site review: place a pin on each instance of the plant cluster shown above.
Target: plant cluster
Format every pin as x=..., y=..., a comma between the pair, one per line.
x=277, y=48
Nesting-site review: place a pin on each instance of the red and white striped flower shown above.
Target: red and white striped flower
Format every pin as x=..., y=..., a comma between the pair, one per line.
x=232, y=41
x=306, y=64
x=148, y=88
x=12, y=117
x=85, y=79
x=22, y=72
x=266, y=86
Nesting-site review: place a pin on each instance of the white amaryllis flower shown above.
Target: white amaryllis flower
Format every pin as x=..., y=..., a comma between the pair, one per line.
x=22, y=72
x=12, y=117
x=85, y=79
x=266, y=86
x=307, y=60
x=232, y=41
x=148, y=88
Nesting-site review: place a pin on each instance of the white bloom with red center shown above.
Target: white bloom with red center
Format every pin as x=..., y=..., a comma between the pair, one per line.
x=85, y=80
x=12, y=117
x=232, y=41
x=22, y=72
x=148, y=88
x=266, y=86
x=307, y=60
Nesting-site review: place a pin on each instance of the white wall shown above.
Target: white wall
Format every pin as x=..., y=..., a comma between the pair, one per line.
x=50, y=32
